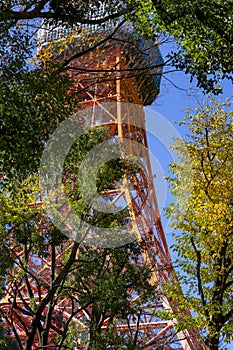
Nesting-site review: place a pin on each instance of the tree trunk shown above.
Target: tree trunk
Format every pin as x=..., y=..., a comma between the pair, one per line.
x=213, y=336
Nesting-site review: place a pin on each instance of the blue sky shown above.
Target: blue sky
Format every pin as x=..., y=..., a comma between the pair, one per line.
x=171, y=104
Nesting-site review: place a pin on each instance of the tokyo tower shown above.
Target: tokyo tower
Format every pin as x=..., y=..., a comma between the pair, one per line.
x=115, y=80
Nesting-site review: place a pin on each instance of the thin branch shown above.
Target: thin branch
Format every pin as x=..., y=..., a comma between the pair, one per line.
x=95, y=46
x=27, y=307
x=196, y=14
x=114, y=70
x=137, y=328
x=227, y=316
x=38, y=13
x=170, y=81
x=61, y=276
x=73, y=314
x=198, y=266
x=17, y=337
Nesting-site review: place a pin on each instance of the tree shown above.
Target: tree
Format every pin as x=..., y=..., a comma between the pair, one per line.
x=34, y=87
x=203, y=213
x=32, y=106
x=47, y=281
x=59, y=293
x=6, y=343
x=202, y=29
x=33, y=95
x=203, y=32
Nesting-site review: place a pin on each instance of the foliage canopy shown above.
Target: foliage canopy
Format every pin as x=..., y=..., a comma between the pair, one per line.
x=201, y=29
x=203, y=214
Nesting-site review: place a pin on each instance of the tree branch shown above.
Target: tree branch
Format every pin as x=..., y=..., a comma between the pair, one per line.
x=200, y=289
x=170, y=17
x=61, y=276
x=95, y=46
x=37, y=12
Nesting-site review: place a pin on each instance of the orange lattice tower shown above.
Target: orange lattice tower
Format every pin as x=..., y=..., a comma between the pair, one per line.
x=115, y=80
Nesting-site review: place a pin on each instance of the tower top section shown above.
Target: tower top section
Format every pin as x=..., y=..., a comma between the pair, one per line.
x=55, y=31
x=141, y=58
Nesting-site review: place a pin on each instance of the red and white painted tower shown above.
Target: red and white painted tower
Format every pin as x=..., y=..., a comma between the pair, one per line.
x=115, y=80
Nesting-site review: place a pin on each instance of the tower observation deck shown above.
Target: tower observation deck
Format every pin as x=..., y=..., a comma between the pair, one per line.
x=115, y=80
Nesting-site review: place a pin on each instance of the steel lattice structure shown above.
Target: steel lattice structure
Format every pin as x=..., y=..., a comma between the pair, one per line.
x=111, y=83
